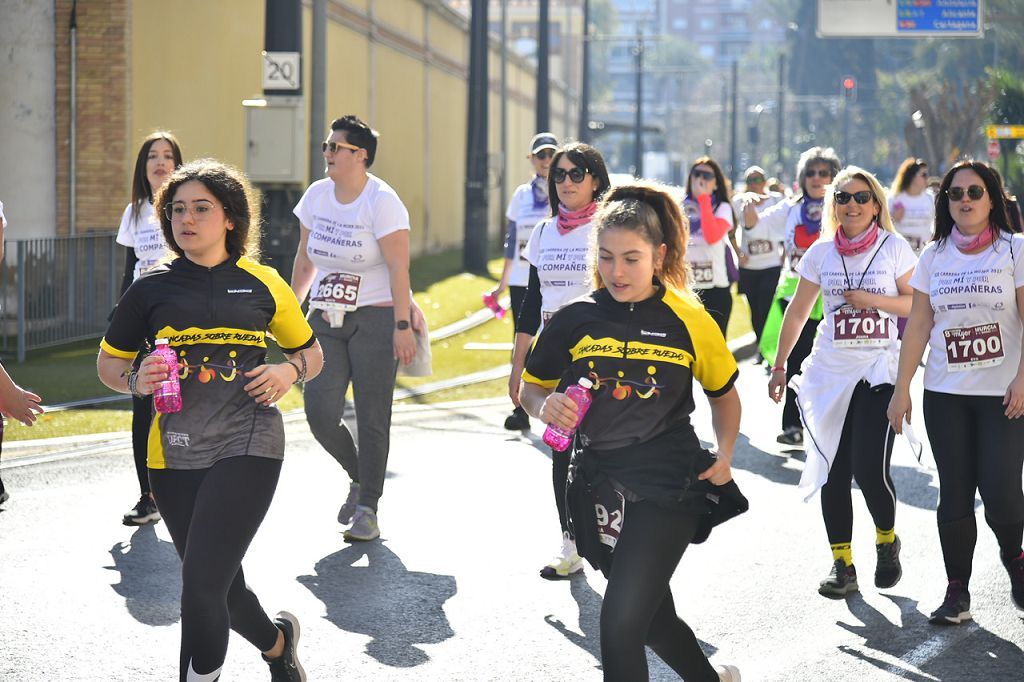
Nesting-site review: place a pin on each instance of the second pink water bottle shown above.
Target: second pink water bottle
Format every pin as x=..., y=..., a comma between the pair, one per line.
x=557, y=437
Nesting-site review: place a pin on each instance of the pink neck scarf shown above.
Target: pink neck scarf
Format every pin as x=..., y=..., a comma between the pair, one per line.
x=967, y=243
x=859, y=244
x=570, y=220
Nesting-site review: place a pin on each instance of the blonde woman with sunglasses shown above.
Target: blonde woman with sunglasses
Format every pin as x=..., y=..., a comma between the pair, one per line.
x=967, y=308
x=861, y=267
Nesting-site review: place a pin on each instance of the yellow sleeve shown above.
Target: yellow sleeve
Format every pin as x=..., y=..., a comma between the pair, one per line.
x=289, y=327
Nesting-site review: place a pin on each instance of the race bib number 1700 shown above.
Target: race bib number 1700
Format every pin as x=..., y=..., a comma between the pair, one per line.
x=975, y=347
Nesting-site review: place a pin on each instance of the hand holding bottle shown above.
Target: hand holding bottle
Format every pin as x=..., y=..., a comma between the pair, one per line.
x=563, y=413
x=491, y=301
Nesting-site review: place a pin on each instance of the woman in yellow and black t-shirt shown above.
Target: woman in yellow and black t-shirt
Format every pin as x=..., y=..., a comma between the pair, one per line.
x=641, y=338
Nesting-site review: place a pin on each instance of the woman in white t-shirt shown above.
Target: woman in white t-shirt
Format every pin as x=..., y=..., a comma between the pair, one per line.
x=529, y=206
x=708, y=206
x=968, y=306
x=911, y=204
x=353, y=261
x=140, y=233
x=862, y=270
x=558, y=252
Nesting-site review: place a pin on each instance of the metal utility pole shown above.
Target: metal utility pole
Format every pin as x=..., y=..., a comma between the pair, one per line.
x=503, y=145
x=474, y=254
x=638, y=139
x=780, y=117
x=318, y=92
x=733, y=160
x=543, y=71
x=584, y=132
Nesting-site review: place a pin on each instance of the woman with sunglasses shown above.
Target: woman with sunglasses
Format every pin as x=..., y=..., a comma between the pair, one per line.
x=140, y=233
x=529, y=205
x=559, y=272
x=708, y=206
x=353, y=261
x=215, y=463
x=968, y=306
x=797, y=224
x=862, y=269
x=911, y=204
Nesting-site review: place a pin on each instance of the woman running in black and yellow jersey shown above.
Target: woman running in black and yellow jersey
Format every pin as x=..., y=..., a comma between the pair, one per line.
x=641, y=337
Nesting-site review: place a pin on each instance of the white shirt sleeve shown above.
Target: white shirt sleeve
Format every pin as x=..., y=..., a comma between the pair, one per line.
x=906, y=259
x=724, y=212
x=922, y=277
x=126, y=232
x=389, y=215
x=1017, y=248
x=809, y=267
x=533, y=244
x=302, y=210
x=774, y=220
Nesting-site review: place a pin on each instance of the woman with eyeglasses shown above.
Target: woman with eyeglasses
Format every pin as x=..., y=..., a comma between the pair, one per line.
x=708, y=206
x=967, y=309
x=140, y=233
x=559, y=272
x=214, y=464
x=861, y=267
x=911, y=204
x=353, y=262
x=797, y=224
x=528, y=206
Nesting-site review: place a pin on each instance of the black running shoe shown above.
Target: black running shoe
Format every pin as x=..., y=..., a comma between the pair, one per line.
x=888, y=570
x=1015, y=567
x=143, y=512
x=841, y=581
x=791, y=435
x=956, y=607
x=518, y=420
x=4, y=496
x=286, y=667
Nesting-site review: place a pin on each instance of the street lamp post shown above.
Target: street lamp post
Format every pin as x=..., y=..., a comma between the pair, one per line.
x=638, y=138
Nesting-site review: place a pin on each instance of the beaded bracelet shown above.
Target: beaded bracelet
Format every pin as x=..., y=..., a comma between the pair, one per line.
x=300, y=371
x=133, y=384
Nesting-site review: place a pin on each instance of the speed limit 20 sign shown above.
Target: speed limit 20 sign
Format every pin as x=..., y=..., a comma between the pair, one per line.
x=281, y=70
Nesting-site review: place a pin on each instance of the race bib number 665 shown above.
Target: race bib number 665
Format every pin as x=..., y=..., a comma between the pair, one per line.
x=336, y=291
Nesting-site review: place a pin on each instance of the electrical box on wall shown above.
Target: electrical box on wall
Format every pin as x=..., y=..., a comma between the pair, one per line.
x=275, y=131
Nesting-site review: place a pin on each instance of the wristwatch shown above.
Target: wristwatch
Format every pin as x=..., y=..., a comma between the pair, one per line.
x=402, y=325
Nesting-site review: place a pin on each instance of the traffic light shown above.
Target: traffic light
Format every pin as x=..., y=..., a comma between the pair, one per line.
x=849, y=87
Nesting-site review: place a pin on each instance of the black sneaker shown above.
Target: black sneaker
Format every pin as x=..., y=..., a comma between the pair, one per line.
x=888, y=570
x=143, y=512
x=791, y=435
x=4, y=496
x=956, y=607
x=1015, y=567
x=841, y=581
x=518, y=420
x=286, y=667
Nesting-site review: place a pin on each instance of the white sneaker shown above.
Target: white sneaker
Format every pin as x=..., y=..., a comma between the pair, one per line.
x=364, y=525
x=565, y=564
x=728, y=673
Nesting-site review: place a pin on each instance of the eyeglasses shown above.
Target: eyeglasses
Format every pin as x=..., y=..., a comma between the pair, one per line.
x=754, y=179
x=335, y=146
x=200, y=210
x=862, y=197
x=706, y=175
x=576, y=174
x=821, y=173
x=544, y=154
x=975, y=192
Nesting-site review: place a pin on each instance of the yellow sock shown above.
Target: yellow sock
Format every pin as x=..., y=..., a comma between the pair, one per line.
x=843, y=551
x=885, y=537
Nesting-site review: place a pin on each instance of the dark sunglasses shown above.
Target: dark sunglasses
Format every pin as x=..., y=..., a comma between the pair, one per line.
x=335, y=146
x=754, y=179
x=821, y=173
x=975, y=192
x=576, y=175
x=862, y=197
x=544, y=154
x=706, y=175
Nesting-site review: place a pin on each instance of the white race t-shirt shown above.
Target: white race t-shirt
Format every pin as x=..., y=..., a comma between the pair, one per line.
x=918, y=218
x=562, y=262
x=145, y=237
x=523, y=212
x=343, y=237
x=974, y=347
x=3, y=219
x=708, y=260
x=782, y=223
x=875, y=270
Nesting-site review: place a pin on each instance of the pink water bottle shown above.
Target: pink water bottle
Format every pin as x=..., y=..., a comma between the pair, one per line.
x=557, y=437
x=492, y=303
x=167, y=396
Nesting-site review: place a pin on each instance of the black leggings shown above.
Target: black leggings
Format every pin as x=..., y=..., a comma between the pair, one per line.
x=559, y=480
x=865, y=451
x=976, y=448
x=638, y=608
x=794, y=365
x=212, y=516
x=759, y=288
x=142, y=418
x=718, y=302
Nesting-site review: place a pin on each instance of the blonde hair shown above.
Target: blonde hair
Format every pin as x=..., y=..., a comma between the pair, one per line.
x=829, y=219
x=650, y=209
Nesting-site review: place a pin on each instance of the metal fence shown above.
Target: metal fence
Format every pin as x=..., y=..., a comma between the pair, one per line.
x=57, y=290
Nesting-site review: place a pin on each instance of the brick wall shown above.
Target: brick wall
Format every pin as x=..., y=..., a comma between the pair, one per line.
x=104, y=169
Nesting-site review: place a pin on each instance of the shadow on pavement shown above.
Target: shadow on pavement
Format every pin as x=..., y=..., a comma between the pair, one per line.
x=589, y=603
x=764, y=464
x=382, y=599
x=150, y=577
